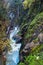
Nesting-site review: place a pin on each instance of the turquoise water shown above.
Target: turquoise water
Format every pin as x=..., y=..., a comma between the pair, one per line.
x=13, y=58
x=13, y=55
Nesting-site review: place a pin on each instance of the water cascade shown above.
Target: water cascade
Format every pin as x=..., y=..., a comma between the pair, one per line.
x=13, y=55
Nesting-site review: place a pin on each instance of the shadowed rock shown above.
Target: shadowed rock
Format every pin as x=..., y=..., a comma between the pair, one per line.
x=17, y=38
x=40, y=37
x=28, y=47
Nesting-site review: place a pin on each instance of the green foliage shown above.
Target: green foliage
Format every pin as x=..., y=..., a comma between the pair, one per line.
x=37, y=49
x=27, y=3
x=3, y=36
x=32, y=17
x=41, y=55
x=32, y=60
x=3, y=26
x=21, y=63
x=34, y=25
x=35, y=40
x=3, y=13
x=35, y=20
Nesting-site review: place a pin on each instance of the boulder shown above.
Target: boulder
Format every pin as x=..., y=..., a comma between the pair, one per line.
x=21, y=58
x=40, y=37
x=28, y=47
x=17, y=38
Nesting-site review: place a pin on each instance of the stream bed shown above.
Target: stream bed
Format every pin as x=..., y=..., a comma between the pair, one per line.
x=13, y=55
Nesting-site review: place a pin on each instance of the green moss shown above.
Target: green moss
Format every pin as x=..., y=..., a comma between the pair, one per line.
x=39, y=16
x=34, y=25
x=37, y=49
x=35, y=40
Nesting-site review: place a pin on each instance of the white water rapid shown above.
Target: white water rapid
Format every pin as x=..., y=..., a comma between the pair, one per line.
x=13, y=55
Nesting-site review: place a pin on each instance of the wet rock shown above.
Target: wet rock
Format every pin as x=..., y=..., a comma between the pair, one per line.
x=17, y=38
x=28, y=47
x=21, y=58
x=40, y=37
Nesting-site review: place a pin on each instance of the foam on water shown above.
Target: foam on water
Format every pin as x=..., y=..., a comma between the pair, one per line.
x=13, y=55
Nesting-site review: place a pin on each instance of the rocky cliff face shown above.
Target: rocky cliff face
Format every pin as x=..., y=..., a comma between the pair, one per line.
x=30, y=20
x=31, y=30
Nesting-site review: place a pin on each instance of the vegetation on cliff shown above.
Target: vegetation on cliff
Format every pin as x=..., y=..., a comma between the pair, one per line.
x=32, y=32
x=29, y=15
x=3, y=27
